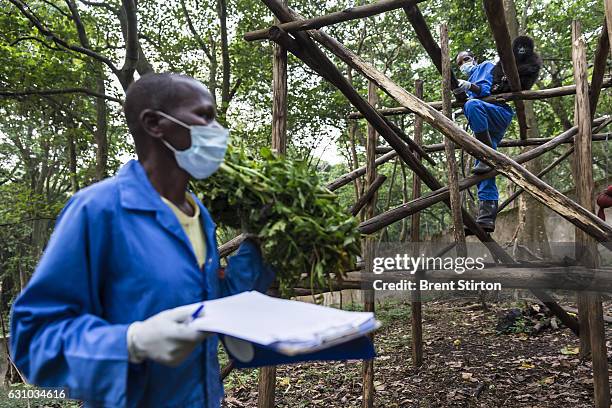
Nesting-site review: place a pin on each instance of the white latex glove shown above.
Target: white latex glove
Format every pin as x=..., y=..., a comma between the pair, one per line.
x=165, y=337
x=464, y=86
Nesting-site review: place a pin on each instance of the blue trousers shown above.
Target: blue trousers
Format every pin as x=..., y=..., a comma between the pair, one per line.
x=483, y=116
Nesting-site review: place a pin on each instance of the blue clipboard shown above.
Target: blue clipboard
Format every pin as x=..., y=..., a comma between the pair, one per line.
x=249, y=355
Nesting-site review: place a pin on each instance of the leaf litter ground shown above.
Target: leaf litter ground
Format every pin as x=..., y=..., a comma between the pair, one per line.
x=466, y=364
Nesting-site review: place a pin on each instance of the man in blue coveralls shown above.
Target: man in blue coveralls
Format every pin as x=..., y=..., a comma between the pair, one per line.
x=489, y=122
x=130, y=258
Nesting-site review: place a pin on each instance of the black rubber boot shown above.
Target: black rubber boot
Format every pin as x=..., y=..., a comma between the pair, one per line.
x=485, y=138
x=487, y=212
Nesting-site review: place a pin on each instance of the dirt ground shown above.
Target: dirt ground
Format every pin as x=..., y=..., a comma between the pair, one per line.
x=466, y=364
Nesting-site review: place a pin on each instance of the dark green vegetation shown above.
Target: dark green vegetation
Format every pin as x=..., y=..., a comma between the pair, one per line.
x=302, y=227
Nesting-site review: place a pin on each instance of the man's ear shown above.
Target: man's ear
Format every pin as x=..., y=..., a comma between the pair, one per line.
x=149, y=120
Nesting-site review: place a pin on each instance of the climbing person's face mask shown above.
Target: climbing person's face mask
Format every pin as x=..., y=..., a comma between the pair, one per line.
x=207, y=150
x=468, y=67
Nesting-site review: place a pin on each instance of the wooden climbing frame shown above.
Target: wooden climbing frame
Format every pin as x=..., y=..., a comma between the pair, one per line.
x=298, y=35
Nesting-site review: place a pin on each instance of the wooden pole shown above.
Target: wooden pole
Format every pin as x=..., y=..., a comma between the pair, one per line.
x=524, y=275
x=416, y=181
x=449, y=148
x=351, y=13
x=371, y=143
x=583, y=168
x=590, y=314
x=494, y=10
x=267, y=375
x=497, y=98
x=369, y=245
x=279, y=100
x=601, y=378
x=416, y=316
x=531, y=276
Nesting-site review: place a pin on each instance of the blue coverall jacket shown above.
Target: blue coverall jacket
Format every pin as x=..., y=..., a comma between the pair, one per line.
x=117, y=255
x=483, y=116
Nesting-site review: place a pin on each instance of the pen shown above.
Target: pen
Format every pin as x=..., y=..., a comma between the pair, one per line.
x=195, y=314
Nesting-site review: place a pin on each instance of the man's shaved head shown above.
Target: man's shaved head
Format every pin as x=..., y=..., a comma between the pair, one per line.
x=164, y=92
x=462, y=56
x=157, y=92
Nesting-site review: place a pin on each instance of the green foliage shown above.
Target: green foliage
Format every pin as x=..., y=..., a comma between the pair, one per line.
x=303, y=230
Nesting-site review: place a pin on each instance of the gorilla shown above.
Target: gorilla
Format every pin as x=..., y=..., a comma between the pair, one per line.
x=528, y=63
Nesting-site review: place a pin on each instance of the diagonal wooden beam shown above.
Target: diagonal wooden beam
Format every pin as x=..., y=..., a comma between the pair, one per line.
x=351, y=13
x=494, y=10
x=368, y=195
x=423, y=33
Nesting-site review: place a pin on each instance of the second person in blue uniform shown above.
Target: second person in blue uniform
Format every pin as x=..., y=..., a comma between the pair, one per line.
x=489, y=122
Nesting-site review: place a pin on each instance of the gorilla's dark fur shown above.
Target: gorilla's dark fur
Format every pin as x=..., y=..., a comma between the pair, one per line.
x=528, y=63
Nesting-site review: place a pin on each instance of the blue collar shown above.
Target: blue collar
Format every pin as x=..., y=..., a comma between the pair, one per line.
x=136, y=190
x=137, y=193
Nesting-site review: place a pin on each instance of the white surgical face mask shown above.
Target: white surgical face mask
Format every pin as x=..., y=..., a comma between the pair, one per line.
x=467, y=68
x=207, y=150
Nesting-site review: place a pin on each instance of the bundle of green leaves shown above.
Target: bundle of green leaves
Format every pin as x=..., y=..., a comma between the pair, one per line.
x=304, y=232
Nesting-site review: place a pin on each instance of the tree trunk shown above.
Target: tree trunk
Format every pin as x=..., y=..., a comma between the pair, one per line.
x=72, y=161
x=225, y=85
x=101, y=135
x=213, y=70
x=353, y=128
x=404, y=230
